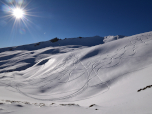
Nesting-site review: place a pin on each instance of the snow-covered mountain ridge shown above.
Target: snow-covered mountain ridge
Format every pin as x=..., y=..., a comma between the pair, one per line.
x=80, y=41
x=109, y=74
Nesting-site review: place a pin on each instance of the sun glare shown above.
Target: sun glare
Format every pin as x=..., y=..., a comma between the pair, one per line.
x=18, y=13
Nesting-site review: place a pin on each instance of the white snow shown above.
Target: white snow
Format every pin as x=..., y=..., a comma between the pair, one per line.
x=82, y=75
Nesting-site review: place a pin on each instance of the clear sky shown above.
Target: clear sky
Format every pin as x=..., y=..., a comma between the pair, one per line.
x=46, y=19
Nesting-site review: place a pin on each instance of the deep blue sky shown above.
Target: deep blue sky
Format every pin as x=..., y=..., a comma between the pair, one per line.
x=74, y=18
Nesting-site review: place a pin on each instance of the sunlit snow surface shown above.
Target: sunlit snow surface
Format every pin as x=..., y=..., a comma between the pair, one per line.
x=51, y=74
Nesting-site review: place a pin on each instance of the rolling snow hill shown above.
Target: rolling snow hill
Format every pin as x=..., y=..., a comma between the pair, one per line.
x=113, y=73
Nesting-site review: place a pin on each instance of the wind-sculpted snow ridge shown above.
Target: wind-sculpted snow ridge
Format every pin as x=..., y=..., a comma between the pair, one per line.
x=80, y=74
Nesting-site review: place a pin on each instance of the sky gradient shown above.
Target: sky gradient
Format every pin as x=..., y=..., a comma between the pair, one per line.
x=47, y=19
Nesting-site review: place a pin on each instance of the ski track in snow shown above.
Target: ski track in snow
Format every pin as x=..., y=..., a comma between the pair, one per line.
x=63, y=81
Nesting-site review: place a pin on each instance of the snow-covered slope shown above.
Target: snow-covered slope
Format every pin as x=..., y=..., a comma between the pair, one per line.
x=83, y=71
x=21, y=57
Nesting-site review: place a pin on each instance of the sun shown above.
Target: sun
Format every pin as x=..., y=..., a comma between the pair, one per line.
x=18, y=13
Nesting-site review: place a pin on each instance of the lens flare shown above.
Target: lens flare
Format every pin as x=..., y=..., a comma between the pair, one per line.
x=10, y=1
x=22, y=31
x=6, y=8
